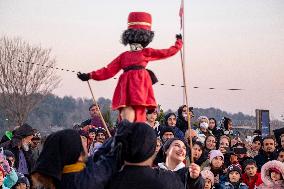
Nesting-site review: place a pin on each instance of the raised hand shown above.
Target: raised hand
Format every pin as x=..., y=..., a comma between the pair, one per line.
x=194, y=170
x=83, y=76
x=178, y=36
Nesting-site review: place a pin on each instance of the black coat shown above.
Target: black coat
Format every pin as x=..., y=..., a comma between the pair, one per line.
x=263, y=157
x=12, y=145
x=95, y=175
x=143, y=177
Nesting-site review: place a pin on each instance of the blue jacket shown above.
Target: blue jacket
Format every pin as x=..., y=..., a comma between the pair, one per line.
x=228, y=185
x=178, y=133
x=10, y=180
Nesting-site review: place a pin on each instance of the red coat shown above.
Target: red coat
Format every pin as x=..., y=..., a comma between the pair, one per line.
x=256, y=181
x=134, y=87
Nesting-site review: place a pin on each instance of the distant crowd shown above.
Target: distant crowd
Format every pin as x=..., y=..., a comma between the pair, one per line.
x=143, y=155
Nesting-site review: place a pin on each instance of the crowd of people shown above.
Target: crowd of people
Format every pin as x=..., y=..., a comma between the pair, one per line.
x=143, y=155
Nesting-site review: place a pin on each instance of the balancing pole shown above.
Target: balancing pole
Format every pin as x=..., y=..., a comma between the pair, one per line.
x=100, y=114
x=182, y=56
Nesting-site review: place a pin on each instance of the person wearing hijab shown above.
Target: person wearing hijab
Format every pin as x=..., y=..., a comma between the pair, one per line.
x=137, y=172
x=171, y=121
x=63, y=163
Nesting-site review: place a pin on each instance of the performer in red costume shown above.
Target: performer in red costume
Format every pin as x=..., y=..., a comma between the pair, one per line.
x=134, y=92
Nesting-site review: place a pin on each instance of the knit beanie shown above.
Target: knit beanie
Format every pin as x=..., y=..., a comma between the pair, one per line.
x=207, y=174
x=215, y=153
x=234, y=167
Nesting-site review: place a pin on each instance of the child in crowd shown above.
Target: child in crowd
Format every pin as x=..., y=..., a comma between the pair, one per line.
x=280, y=155
x=216, y=159
x=22, y=183
x=234, y=173
x=8, y=176
x=251, y=177
x=208, y=179
x=272, y=174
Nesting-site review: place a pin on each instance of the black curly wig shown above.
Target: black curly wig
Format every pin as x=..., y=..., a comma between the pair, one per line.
x=143, y=37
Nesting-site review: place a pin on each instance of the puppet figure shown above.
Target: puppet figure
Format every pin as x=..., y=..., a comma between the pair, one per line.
x=134, y=93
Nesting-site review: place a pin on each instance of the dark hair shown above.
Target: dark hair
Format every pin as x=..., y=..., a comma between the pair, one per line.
x=269, y=137
x=207, y=139
x=226, y=122
x=249, y=161
x=257, y=138
x=279, y=151
x=167, y=117
x=212, y=118
x=93, y=106
x=143, y=37
x=199, y=144
x=257, y=131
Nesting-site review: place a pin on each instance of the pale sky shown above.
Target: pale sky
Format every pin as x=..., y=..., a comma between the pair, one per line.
x=229, y=44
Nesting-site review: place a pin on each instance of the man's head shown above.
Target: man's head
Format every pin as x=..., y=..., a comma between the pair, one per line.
x=151, y=115
x=25, y=133
x=250, y=167
x=166, y=133
x=36, y=139
x=268, y=144
x=100, y=135
x=94, y=110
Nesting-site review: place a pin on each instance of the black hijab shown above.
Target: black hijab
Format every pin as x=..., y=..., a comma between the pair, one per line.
x=60, y=149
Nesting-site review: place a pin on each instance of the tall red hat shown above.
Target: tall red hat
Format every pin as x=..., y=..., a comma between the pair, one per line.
x=139, y=20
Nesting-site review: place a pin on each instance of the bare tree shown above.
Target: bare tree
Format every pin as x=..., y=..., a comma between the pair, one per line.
x=26, y=77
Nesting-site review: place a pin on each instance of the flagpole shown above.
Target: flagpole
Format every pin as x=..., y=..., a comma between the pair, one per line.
x=182, y=53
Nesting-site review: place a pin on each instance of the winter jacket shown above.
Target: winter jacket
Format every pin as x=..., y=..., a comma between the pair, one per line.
x=264, y=157
x=255, y=181
x=228, y=185
x=265, y=176
x=201, y=135
x=12, y=145
x=178, y=133
x=10, y=180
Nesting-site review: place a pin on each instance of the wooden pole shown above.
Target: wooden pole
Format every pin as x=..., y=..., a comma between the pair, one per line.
x=100, y=114
x=182, y=55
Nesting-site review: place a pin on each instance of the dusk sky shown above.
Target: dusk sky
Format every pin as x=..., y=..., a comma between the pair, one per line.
x=229, y=44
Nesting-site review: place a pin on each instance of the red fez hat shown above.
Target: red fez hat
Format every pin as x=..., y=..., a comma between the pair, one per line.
x=139, y=20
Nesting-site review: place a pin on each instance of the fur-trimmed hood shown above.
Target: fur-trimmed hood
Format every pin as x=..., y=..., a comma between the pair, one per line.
x=265, y=171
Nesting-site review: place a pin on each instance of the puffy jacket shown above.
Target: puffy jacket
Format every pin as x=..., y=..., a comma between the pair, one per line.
x=10, y=180
x=265, y=176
